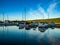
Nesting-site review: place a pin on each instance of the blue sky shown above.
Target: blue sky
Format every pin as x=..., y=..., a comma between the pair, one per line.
x=35, y=9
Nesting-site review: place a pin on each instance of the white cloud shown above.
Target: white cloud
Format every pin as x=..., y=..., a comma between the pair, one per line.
x=37, y=14
x=34, y=14
x=51, y=7
x=43, y=12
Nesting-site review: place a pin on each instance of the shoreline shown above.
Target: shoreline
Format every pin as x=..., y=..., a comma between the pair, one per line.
x=56, y=25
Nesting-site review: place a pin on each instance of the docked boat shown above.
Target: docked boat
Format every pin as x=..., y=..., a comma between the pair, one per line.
x=52, y=25
x=21, y=25
x=27, y=27
x=34, y=24
x=6, y=23
x=43, y=26
x=1, y=23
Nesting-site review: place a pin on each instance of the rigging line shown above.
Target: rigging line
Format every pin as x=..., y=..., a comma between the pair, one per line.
x=7, y=27
x=3, y=24
x=25, y=24
x=48, y=30
x=22, y=16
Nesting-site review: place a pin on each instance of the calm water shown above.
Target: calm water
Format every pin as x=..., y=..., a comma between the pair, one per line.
x=11, y=35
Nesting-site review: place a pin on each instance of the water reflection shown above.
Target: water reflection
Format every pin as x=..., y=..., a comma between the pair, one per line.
x=17, y=36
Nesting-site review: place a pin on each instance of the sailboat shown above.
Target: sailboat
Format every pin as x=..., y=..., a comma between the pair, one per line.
x=27, y=24
x=34, y=25
x=21, y=24
x=51, y=24
x=43, y=26
x=6, y=22
x=2, y=22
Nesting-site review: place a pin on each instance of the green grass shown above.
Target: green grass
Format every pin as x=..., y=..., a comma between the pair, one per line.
x=56, y=20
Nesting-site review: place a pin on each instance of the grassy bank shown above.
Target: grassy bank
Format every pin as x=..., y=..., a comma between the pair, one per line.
x=56, y=20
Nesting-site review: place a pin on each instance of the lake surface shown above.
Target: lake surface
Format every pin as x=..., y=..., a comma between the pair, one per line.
x=12, y=35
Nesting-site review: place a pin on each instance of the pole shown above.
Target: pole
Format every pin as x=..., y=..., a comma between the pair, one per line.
x=43, y=18
x=25, y=13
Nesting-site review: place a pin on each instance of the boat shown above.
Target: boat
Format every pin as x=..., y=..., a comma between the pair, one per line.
x=52, y=25
x=33, y=24
x=6, y=23
x=21, y=25
x=42, y=26
x=27, y=27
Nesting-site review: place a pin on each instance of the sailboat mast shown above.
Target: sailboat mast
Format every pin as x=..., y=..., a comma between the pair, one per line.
x=25, y=13
x=43, y=18
x=3, y=16
x=22, y=17
x=48, y=15
x=7, y=17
